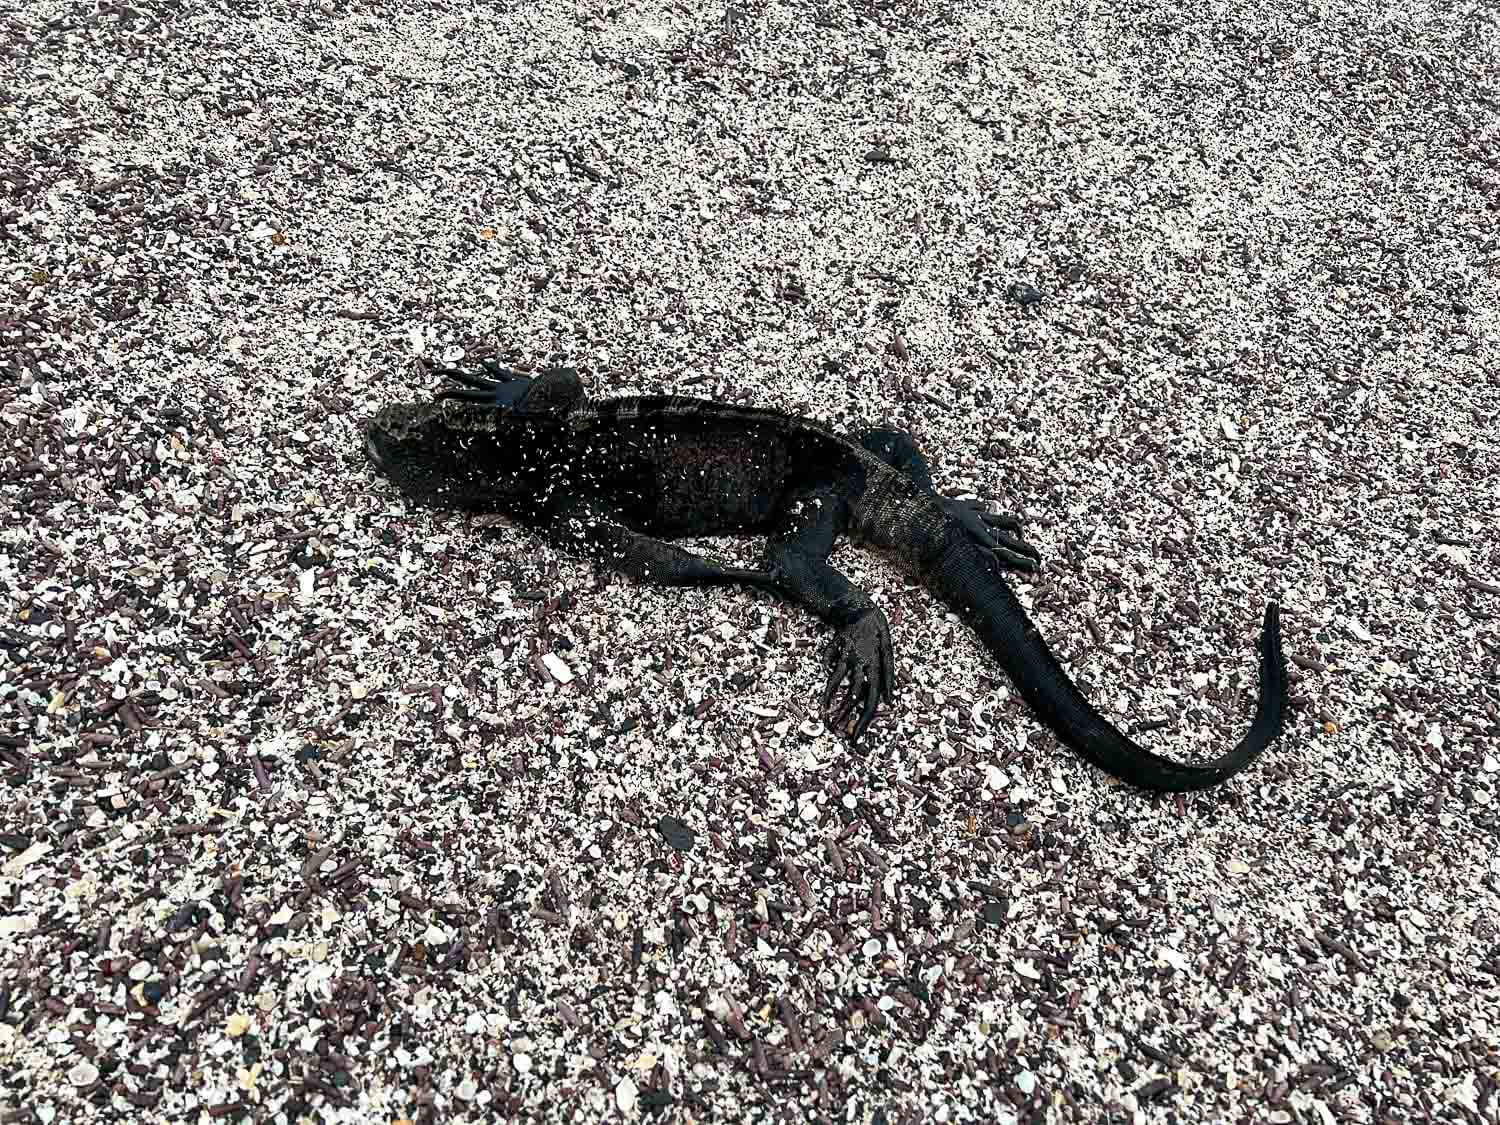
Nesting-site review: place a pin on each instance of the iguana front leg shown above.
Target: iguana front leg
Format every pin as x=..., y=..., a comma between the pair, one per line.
x=555, y=391
x=998, y=531
x=586, y=530
x=797, y=558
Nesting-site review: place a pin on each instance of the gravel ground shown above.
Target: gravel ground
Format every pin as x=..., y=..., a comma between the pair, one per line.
x=300, y=822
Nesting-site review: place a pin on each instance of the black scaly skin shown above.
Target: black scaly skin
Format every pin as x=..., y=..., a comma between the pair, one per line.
x=613, y=480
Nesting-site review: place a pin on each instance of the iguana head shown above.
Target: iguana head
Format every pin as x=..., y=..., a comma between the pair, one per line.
x=409, y=444
x=446, y=454
x=487, y=445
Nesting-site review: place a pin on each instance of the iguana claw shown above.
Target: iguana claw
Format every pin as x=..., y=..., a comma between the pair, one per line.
x=864, y=665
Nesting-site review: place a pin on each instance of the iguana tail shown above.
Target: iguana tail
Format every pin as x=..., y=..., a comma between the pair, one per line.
x=967, y=579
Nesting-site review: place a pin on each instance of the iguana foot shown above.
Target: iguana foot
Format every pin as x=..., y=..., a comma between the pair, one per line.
x=998, y=531
x=502, y=387
x=495, y=372
x=864, y=666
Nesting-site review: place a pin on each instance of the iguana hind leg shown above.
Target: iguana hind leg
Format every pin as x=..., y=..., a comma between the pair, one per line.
x=898, y=449
x=998, y=531
x=864, y=666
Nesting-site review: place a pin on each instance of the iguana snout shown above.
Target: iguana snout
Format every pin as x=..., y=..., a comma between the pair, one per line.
x=403, y=443
x=375, y=446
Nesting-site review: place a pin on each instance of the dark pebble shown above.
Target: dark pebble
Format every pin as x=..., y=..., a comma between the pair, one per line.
x=676, y=833
x=1152, y=1089
x=1024, y=295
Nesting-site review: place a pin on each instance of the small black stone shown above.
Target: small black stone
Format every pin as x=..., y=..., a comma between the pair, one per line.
x=657, y=1099
x=1153, y=1089
x=1024, y=294
x=676, y=833
x=994, y=912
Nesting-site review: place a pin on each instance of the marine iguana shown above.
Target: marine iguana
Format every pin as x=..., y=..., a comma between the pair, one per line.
x=613, y=480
